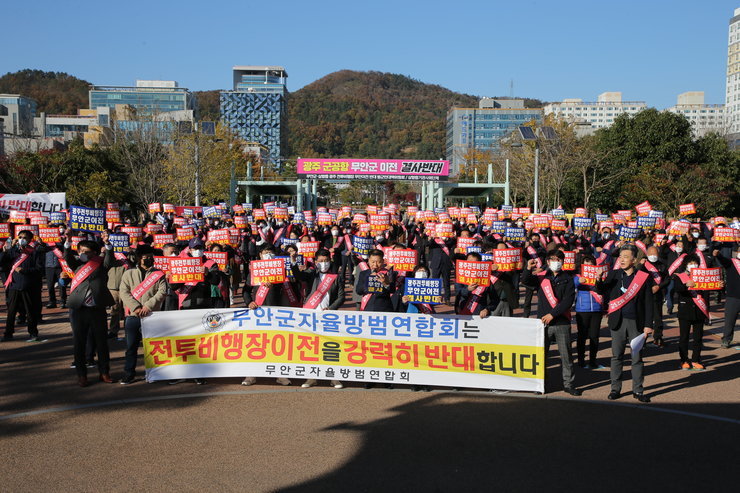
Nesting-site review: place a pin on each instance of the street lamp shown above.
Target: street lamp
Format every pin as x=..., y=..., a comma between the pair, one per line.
x=546, y=133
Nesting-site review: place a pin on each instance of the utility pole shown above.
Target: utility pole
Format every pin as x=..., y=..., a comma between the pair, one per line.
x=536, y=177
x=197, y=168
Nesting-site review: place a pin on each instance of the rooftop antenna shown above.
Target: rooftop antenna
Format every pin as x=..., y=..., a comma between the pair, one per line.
x=511, y=89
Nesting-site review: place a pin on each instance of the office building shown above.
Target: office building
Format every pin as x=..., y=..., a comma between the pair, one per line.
x=481, y=129
x=599, y=114
x=256, y=108
x=16, y=114
x=704, y=118
x=732, y=96
x=146, y=97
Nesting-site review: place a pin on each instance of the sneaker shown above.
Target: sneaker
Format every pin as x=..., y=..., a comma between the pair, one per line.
x=697, y=366
x=308, y=384
x=573, y=391
x=685, y=365
x=613, y=395
x=337, y=384
x=73, y=365
x=51, y=305
x=249, y=381
x=596, y=366
x=91, y=364
x=283, y=381
x=641, y=397
x=36, y=339
x=127, y=380
x=725, y=345
x=175, y=382
x=200, y=381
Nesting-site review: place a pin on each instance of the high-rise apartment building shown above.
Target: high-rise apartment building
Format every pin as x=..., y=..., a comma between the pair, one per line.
x=732, y=100
x=599, y=114
x=256, y=108
x=483, y=128
x=704, y=118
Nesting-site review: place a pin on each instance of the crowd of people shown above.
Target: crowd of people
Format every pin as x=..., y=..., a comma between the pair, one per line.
x=640, y=279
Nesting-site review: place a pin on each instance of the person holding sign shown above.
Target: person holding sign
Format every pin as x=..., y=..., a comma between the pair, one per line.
x=475, y=292
x=629, y=294
x=24, y=263
x=327, y=291
x=693, y=313
x=88, y=300
x=732, y=302
x=143, y=289
x=659, y=273
x=589, y=311
x=376, y=284
x=409, y=306
x=557, y=294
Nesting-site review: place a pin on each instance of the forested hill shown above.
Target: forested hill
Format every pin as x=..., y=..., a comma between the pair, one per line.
x=372, y=114
x=55, y=93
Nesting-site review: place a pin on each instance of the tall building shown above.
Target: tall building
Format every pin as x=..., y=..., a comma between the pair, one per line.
x=16, y=114
x=732, y=104
x=599, y=114
x=147, y=96
x=704, y=118
x=482, y=128
x=256, y=108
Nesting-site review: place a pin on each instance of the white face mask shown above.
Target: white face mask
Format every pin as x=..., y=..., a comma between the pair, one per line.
x=653, y=258
x=422, y=274
x=22, y=242
x=738, y=254
x=555, y=266
x=196, y=253
x=679, y=249
x=267, y=256
x=323, y=266
x=335, y=232
x=701, y=247
x=691, y=267
x=695, y=235
x=379, y=238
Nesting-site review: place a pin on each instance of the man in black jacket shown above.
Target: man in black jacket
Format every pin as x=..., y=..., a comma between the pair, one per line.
x=24, y=264
x=557, y=294
x=333, y=298
x=88, y=300
x=377, y=296
x=659, y=272
x=630, y=296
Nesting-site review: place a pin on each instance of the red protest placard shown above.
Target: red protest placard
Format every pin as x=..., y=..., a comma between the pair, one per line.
x=558, y=225
x=686, y=209
x=185, y=234
x=308, y=248
x=580, y=212
x=161, y=240
x=678, y=228
x=267, y=271
x=154, y=228
x=726, y=235
x=17, y=228
x=135, y=233
x=49, y=235
x=221, y=258
x=706, y=279
x=4, y=230
x=186, y=269
x=643, y=209
x=444, y=230
x=280, y=213
x=113, y=216
x=154, y=208
x=162, y=263
x=359, y=218
x=112, y=206
x=380, y=222
x=540, y=221
x=570, y=261
x=220, y=236
x=259, y=214
x=470, y=272
x=401, y=260
x=240, y=222
x=323, y=219
x=168, y=208
x=591, y=273
x=463, y=244
x=507, y=259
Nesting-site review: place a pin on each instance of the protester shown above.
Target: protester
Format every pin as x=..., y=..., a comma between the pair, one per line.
x=732, y=301
x=589, y=312
x=693, y=313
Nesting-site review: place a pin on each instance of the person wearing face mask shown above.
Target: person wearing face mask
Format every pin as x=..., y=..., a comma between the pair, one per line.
x=170, y=300
x=336, y=246
x=628, y=292
x=732, y=285
x=326, y=291
x=420, y=272
x=557, y=294
x=143, y=289
x=24, y=263
x=440, y=262
x=672, y=256
x=657, y=269
x=53, y=273
x=534, y=250
x=119, y=263
x=503, y=284
x=589, y=312
x=383, y=284
x=693, y=313
x=88, y=299
x=196, y=295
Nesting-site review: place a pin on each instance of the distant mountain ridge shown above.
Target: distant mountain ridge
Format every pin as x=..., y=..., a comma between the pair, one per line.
x=343, y=114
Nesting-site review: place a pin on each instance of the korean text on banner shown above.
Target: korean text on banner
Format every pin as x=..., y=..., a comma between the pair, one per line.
x=401, y=260
x=267, y=271
x=446, y=350
x=428, y=291
x=186, y=269
x=507, y=259
x=706, y=279
x=471, y=272
x=87, y=219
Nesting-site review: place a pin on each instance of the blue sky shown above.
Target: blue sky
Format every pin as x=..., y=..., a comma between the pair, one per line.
x=650, y=50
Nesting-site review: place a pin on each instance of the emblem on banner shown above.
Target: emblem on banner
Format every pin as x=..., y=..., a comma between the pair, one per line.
x=213, y=321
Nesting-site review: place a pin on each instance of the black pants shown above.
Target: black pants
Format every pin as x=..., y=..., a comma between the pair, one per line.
x=84, y=322
x=684, y=327
x=528, y=293
x=445, y=275
x=52, y=276
x=732, y=308
x=658, y=316
x=589, y=324
x=28, y=301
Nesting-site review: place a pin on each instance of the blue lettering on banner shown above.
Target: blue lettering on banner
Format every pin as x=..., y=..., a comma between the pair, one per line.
x=582, y=222
x=211, y=211
x=498, y=227
x=602, y=217
x=362, y=245
x=87, y=219
x=57, y=217
x=627, y=234
x=515, y=234
x=373, y=284
x=120, y=241
x=646, y=222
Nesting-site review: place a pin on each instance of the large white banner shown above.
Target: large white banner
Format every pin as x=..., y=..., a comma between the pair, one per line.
x=446, y=350
x=44, y=202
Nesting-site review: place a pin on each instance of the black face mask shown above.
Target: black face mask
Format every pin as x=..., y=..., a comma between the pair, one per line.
x=148, y=262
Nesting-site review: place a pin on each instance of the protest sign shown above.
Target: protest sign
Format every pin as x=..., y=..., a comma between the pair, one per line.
x=428, y=291
x=401, y=260
x=706, y=279
x=186, y=269
x=507, y=259
x=471, y=272
x=87, y=219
